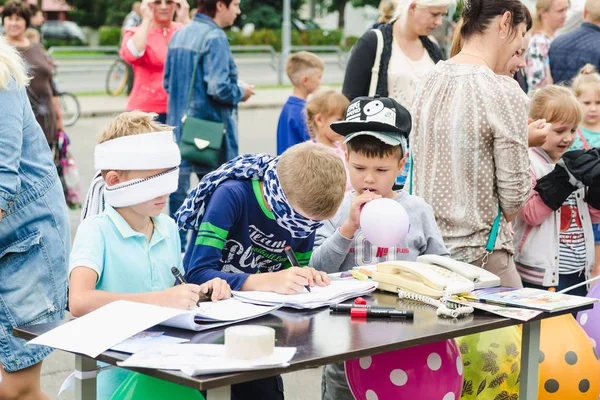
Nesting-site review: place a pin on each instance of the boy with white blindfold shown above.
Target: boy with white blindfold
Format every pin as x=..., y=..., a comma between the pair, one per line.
x=125, y=248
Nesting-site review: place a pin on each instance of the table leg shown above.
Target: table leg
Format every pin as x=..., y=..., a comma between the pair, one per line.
x=222, y=393
x=530, y=360
x=85, y=383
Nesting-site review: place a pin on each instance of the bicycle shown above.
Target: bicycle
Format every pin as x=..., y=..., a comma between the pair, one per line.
x=70, y=107
x=118, y=78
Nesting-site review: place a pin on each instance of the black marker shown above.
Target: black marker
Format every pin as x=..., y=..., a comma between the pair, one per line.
x=181, y=281
x=293, y=260
x=178, y=277
x=345, y=308
x=379, y=313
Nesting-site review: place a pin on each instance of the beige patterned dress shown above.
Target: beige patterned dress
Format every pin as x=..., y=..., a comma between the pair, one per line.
x=469, y=144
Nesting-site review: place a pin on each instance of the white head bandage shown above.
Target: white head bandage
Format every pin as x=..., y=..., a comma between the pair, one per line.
x=138, y=152
x=146, y=151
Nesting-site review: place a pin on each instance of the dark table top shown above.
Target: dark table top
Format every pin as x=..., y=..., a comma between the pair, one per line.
x=322, y=338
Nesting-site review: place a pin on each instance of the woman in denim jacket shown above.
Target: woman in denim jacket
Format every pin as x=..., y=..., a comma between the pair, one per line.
x=34, y=233
x=216, y=89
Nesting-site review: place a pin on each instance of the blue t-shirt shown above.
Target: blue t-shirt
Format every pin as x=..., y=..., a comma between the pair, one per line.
x=292, y=128
x=592, y=139
x=239, y=236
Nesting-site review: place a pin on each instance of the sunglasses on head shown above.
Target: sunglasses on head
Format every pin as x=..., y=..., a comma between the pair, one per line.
x=168, y=3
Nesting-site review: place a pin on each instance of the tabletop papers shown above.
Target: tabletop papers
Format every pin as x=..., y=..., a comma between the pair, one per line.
x=200, y=359
x=336, y=292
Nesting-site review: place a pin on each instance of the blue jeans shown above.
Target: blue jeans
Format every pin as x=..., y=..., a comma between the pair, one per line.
x=34, y=249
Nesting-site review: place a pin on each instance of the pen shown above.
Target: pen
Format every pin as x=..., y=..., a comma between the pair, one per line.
x=181, y=281
x=177, y=275
x=379, y=313
x=345, y=308
x=292, y=258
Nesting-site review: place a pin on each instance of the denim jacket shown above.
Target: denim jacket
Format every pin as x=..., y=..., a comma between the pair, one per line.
x=34, y=232
x=216, y=91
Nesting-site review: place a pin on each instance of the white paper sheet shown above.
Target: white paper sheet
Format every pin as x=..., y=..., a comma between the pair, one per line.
x=200, y=359
x=144, y=340
x=101, y=329
x=336, y=292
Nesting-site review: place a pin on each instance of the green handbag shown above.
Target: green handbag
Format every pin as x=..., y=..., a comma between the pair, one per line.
x=201, y=140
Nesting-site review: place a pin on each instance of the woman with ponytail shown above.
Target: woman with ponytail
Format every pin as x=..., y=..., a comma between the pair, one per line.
x=34, y=233
x=469, y=139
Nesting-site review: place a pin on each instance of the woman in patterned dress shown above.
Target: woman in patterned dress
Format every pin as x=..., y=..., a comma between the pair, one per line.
x=469, y=139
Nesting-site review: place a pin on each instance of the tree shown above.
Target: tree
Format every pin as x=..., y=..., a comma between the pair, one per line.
x=340, y=7
x=265, y=14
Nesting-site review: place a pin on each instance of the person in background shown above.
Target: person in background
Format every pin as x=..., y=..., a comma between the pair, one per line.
x=34, y=233
x=387, y=9
x=16, y=18
x=33, y=35
x=134, y=18
x=574, y=17
x=469, y=147
x=305, y=71
x=217, y=91
x=553, y=239
x=570, y=52
x=407, y=55
x=37, y=18
x=145, y=48
x=324, y=108
x=550, y=15
x=586, y=87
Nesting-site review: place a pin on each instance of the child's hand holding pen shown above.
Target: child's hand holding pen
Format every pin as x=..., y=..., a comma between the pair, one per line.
x=298, y=275
x=215, y=289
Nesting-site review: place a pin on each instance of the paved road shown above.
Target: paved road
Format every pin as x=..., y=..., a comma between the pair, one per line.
x=90, y=76
x=257, y=134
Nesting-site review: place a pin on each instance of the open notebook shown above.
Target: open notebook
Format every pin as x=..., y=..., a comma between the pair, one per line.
x=336, y=292
x=224, y=312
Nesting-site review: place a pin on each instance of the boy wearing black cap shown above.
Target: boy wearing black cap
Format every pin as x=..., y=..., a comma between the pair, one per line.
x=376, y=131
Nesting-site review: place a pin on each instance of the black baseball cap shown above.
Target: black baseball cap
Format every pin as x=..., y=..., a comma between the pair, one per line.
x=374, y=114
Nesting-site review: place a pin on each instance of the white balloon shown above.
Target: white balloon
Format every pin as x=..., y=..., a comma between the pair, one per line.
x=384, y=222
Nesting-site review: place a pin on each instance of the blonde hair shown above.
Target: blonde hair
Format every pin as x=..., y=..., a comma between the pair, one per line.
x=555, y=103
x=299, y=63
x=593, y=9
x=588, y=78
x=32, y=35
x=11, y=66
x=457, y=39
x=387, y=9
x=541, y=5
x=326, y=102
x=404, y=5
x=132, y=123
x=313, y=179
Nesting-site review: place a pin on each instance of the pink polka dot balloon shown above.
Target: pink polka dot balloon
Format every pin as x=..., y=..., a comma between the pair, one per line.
x=590, y=319
x=432, y=371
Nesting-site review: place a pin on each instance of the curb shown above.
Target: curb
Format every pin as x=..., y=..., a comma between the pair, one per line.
x=111, y=113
